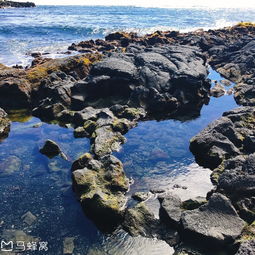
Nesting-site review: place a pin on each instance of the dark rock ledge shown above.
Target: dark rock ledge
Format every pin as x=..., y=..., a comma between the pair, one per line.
x=105, y=91
x=227, y=146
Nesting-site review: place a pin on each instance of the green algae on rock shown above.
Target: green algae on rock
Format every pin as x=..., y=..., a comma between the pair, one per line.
x=4, y=124
x=101, y=186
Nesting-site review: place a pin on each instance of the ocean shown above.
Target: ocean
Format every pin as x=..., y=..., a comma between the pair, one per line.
x=52, y=28
x=156, y=154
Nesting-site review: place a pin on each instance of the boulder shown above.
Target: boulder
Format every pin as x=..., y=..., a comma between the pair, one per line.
x=141, y=196
x=50, y=149
x=238, y=180
x=140, y=221
x=216, y=222
x=170, y=210
x=15, y=92
x=57, y=87
x=225, y=138
x=101, y=186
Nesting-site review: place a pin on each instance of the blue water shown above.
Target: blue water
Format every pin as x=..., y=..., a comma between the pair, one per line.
x=53, y=28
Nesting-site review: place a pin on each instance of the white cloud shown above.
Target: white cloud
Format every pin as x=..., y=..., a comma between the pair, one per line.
x=155, y=3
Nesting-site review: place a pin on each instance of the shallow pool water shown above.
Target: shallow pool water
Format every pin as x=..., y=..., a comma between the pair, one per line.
x=156, y=155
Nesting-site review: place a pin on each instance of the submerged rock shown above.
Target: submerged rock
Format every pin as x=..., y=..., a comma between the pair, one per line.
x=216, y=222
x=218, y=90
x=28, y=218
x=50, y=149
x=68, y=245
x=10, y=165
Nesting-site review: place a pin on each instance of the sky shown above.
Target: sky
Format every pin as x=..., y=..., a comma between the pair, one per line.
x=154, y=3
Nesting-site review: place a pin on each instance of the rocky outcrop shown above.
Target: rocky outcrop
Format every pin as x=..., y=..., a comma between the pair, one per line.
x=15, y=90
x=8, y=4
x=50, y=80
x=4, y=124
x=227, y=137
x=227, y=147
x=216, y=222
x=139, y=220
x=158, y=79
x=229, y=50
x=101, y=187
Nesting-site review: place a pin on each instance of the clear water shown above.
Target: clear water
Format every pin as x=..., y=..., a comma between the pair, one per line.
x=156, y=154
x=52, y=28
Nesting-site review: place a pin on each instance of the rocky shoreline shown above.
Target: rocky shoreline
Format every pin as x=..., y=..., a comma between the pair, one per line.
x=9, y=4
x=117, y=82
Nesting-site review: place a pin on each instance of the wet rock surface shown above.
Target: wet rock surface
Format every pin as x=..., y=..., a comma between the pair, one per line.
x=215, y=222
x=4, y=124
x=50, y=149
x=247, y=248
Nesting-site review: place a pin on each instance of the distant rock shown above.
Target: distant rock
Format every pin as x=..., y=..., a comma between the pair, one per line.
x=8, y=4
